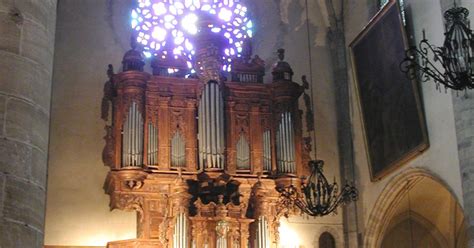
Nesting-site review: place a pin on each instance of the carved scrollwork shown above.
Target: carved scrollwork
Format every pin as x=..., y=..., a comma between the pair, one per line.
x=134, y=184
x=242, y=125
x=128, y=202
x=177, y=122
x=163, y=229
x=107, y=99
x=108, y=152
x=152, y=113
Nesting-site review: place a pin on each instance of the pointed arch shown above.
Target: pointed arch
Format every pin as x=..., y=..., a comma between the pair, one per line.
x=384, y=210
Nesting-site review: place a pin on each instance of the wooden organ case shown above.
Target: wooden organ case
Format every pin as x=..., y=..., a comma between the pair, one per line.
x=199, y=156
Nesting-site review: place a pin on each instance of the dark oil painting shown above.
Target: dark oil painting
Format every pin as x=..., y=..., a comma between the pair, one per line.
x=390, y=103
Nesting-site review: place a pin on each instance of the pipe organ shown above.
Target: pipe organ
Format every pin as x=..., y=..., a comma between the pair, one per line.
x=211, y=127
x=267, y=151
x=152, y=145
x=243, y=154
x=180, y=236
x=132, y=133
x=178, y=151
x=262, y=239
x=285, y=145
x=198, y=156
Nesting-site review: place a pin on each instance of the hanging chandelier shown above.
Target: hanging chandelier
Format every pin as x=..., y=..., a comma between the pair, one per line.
x=318, y=197
x=451, y=65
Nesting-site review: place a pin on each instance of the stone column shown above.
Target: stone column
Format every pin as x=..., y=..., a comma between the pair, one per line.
x=463, y=104
x=464, y=117
x=26, y=59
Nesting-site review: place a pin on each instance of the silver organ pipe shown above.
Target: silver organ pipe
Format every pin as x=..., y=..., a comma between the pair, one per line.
x=263, y=237
x=180, y=236
x=222, y=229
x=286, y=145
x=211, y=129
x=152, y=144
x=132, y=148
x=243, y=154
x=267, y=151
x=221, y=242
x=213, y=126
x=178, y=151
x=284, y=140
x=292, y=144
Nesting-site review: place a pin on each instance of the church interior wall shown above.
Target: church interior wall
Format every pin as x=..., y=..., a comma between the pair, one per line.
x=441, y=158
x=90, y=35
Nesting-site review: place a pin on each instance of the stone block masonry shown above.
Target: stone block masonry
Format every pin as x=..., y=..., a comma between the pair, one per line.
x=27, y=30
x=464, y=117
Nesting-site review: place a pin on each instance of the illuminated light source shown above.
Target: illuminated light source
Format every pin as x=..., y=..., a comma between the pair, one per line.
x=159, y=34
x=225, y=15
x=159, y=8
x=189, y=23
x=288, y=237
x=134, y=23
x=170, y=26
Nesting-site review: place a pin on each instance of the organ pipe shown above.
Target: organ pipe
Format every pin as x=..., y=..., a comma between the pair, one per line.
x=178, y=151
x=180, y=236
x=267, y=152
x=152, y=144
x=286, y=145
x=263, y=236
x=132, y=148
x=222, y=229
x=243, y=154
x=211, y=127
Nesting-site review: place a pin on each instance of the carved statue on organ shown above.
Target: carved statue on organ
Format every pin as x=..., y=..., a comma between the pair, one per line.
x=199, y=156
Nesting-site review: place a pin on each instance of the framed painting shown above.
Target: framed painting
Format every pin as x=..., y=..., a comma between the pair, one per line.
x=392, y=114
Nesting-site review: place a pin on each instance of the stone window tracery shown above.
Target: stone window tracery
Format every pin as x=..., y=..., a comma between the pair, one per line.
x=167, y=28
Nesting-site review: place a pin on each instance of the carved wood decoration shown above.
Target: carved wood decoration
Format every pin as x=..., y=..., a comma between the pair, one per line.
x=210, y=208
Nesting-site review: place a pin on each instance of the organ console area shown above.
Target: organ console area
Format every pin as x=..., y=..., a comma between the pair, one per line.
x=199, y=155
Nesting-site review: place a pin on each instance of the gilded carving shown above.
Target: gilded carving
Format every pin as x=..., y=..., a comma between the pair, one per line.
x=164, y=226
x=107, y=98
x=177, y=121
x=217, y=203
x=128, y=202
x=134, y=184
x=109, y=148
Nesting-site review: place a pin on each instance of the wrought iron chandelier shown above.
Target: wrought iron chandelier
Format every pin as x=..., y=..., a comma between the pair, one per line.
x=318, y=197
x=451, y=65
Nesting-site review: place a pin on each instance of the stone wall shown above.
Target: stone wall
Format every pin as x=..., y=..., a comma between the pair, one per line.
x=87, y=40
x=464, y=116
x=441, y=159
x=26, y=57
